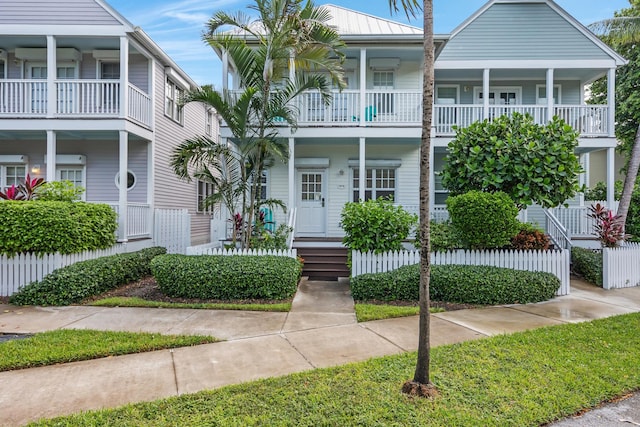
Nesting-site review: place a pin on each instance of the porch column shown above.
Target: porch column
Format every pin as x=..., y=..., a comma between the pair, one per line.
x=124, y=77
x=611, y=100
x=52, y=69
x=582, y=179
x=587, y=165
x=363, y=85
x=550, y=94
x=610, y=176
x=362, y=171
x=225, y=70
x=51, y=155
x=485, y=93
x=292, y=174
x=122, y=193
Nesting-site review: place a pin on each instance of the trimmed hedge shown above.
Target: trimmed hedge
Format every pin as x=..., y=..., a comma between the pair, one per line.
x=469, y=284
x=83, y=279
x=588, y=264
x=50, y=227
x=227, y=277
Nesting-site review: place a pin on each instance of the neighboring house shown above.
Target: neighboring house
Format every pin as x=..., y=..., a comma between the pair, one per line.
x=87, y=96
x=528, y=56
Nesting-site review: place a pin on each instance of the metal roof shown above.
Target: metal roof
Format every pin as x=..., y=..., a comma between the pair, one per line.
x=351, y=22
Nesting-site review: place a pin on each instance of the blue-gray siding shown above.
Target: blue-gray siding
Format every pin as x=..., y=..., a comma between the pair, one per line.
x=54, y=12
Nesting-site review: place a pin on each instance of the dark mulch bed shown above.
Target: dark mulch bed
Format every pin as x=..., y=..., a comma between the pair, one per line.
x=4, y=300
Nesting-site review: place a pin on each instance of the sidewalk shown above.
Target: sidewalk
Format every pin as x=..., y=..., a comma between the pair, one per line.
x=319, y=331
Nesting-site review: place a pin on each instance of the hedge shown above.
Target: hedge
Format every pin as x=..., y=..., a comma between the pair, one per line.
x=49, y=227
x=469, y=284
x=588, y=264
x=227, y=277
x=83, y=279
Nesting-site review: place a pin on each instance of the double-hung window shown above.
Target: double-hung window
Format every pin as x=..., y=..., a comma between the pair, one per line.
x=172, y=94
x=204, y=190
x=12, y=175
x=379, y=182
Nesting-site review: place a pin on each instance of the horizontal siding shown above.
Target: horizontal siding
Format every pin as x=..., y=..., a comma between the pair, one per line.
x=520, y=31
x=569, y=90
x=54, y=12
x=88, y=67
x=138, y=72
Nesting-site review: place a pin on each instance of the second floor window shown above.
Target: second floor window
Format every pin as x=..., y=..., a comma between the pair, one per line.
x=110, y=71
x=380, y=182
x=383, y=81
x=208, y=123
x=172, y=94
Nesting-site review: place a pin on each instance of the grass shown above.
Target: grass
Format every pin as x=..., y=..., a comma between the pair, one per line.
x=139, y=302
x=368, y=312
x=70, y=345
x=524, y=379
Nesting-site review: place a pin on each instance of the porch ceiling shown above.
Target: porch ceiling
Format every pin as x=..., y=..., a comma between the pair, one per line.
x=520, y=74
x=355, y=141
x=68, y=135
x=80, y=43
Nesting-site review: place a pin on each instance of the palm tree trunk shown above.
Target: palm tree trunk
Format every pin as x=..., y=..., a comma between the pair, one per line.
x=629, y=181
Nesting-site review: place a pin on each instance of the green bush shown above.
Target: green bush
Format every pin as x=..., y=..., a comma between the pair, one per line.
x=633, y=216
x=227, y=277
x=58, y=191
x=49, y=227
x=375, y=225
x=83, y=279
x=588, y=264
x=468, y=284
x=484, y=220
x=443, y=237
x=599, y=191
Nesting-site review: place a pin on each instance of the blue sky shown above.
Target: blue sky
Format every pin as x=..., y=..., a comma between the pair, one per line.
x=176, y=25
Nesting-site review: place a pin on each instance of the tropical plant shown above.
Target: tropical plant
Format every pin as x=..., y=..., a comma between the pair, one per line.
x=26, y=190
x=59, y=191
x=609, y=227
x=623, y=32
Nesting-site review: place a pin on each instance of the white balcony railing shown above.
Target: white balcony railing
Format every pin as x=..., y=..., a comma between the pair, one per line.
x=74, y=98
x=393, y=106
x=344, y=108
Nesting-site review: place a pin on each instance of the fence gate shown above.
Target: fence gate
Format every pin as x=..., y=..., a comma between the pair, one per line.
x=172, y=229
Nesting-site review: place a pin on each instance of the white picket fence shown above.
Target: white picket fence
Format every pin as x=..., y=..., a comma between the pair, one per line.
x=555, y=262
x=172, y=230
x=621, y=266
x=22, y=269
x=205, y=250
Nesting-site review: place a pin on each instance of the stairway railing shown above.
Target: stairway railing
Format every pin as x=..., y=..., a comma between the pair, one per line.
x=558, y=232
x=291, y=223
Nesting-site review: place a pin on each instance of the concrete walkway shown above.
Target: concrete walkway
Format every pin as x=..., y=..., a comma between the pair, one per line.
x=319, y=331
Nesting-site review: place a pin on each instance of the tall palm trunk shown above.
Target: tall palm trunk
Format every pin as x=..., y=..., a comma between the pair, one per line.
x=629, y=181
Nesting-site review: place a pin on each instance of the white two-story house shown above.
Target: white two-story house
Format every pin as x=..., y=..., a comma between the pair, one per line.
x=527, y=56
x=88, y=97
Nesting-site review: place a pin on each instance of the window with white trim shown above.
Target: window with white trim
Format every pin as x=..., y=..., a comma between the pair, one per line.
x=74, y=175
x=264, y=184
x=384, y=102
x=110, y=70
x=204, y=189
x=380, y=182
x=541, y=94
x=208, y=122
x=12, y=175
x=172, y=95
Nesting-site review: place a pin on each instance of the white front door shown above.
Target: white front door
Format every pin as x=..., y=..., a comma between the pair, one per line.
x=311, y=215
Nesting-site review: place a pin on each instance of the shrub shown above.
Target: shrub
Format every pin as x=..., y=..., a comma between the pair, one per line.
x=530, y=238
x=483, y=220
x=588, y=264
x=49, y=227
x=375, y=225
x=83, y=279
x=227, y=277
x=59, y=191
x=469, y=284
x=632, y=226
x=443, y=237
x=599, y=191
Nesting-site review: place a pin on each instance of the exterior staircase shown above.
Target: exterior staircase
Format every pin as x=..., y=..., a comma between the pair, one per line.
x=324, y=263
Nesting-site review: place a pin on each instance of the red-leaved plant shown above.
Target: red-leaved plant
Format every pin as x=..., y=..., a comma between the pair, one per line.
x=12, y=193
x=609, y=227
x=24, y=191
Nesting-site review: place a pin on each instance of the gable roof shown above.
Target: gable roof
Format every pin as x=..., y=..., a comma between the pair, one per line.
x=351, y=22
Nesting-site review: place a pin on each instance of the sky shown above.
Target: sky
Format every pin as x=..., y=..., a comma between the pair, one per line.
x=176, y=25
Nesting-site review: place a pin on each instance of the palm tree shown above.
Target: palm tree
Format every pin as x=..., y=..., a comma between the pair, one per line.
x=421, y=384
x=285, y=36
x=622, y=30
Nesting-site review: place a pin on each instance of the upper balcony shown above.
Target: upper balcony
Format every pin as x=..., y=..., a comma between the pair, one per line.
x=398, y=108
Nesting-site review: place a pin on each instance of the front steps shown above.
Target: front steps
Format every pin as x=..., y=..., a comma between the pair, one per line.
x=324, y=263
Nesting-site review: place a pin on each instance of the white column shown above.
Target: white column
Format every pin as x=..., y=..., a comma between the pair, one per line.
x=292, y=66
x=485, y=93
x=124, y=77
x=363, y=84
x=549, y=94
x=122, y=198
x=587, y=165
x=51, y=155
x=611, y=100
x=583, y=159
x=610, y=176
x=362, y=171
x=225, y=70
x=52, y=70
x=151, y=165
x=292, y=174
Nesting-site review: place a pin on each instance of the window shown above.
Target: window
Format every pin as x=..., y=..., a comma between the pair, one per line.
x=204, y=190
x=380, y=182
x=12, y=175
x=208, y=122
x=75, y=175
x=110, y=71
x=263, y=185
x=131, y=180
x=541, y=94
x=172, y=94
x=383, y=80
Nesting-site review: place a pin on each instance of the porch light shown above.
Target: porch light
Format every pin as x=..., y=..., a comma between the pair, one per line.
x=35, y=169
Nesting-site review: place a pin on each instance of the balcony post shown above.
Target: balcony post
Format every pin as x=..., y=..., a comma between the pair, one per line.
x=549, y=94
x=292, y=174
x=363, y=85
x=362, y=171
x=611, y=151
x=611, y=100
x=51, y=155
x=122, y=191
x=52, y=69
x=485, y=93
x=225, y=70
x=124, y=73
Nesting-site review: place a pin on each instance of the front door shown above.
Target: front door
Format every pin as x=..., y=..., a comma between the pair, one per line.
x=311, y=215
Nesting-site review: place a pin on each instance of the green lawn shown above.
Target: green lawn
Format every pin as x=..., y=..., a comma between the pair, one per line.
x=368, y=312
x=70, y=345
x=139, y=302
x=523, y=379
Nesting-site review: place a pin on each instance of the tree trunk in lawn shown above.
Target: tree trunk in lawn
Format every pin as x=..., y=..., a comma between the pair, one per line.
x=629, y=181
